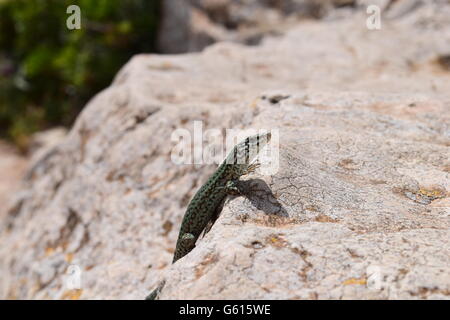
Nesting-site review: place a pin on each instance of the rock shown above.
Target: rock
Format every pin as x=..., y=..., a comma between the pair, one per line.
x=357, y=210
x=41, y=142
x=192, y=25
x=42, y=145
x=12, y=167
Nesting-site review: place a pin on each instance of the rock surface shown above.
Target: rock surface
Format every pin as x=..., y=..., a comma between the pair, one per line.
x=358, y=209
x=12, y=168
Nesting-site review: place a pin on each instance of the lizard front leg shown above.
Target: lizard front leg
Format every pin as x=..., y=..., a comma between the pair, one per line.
x=252, y=168
x=232, y=188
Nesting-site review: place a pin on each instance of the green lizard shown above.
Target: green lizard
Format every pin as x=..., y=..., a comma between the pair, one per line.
x=205, y=206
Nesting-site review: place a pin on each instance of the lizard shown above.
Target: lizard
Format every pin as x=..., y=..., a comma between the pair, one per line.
x=207, y=203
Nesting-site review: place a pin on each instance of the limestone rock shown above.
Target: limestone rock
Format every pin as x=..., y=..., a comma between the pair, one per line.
x=359, y=207
x=12, y=168
x=191, y=25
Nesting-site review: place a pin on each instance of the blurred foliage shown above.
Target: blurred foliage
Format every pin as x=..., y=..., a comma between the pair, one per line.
x=48, y=72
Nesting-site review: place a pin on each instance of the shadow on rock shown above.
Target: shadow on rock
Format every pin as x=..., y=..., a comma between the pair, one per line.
x=260, y=195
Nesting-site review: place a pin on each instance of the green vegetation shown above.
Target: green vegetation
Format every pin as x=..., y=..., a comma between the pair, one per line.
x=48, y=72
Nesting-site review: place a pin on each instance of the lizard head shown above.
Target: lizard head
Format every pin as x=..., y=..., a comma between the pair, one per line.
x=247, y=150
